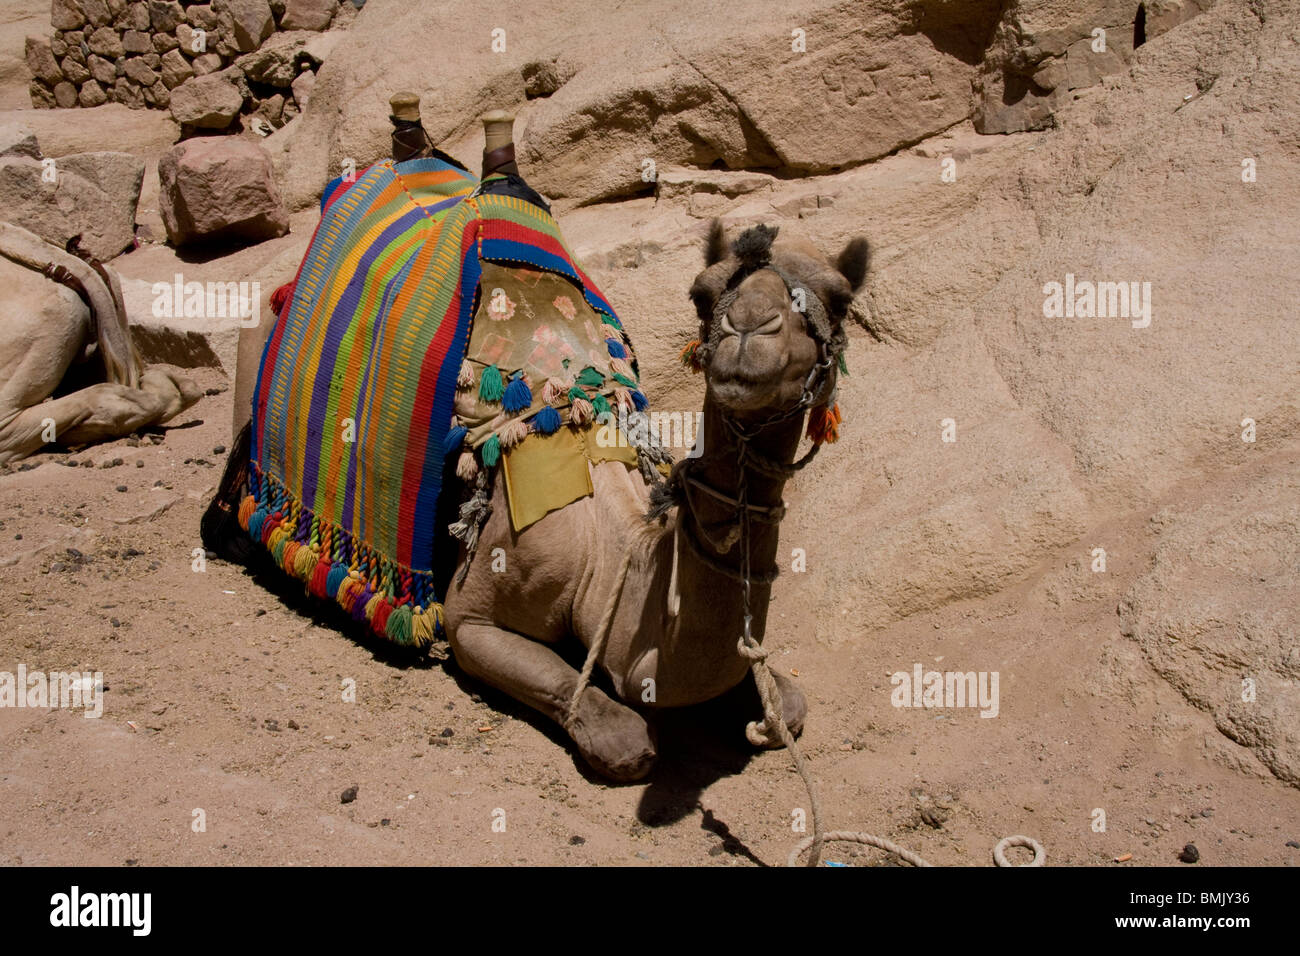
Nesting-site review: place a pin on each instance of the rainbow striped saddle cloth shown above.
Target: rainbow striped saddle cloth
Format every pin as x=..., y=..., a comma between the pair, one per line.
x=436, y=328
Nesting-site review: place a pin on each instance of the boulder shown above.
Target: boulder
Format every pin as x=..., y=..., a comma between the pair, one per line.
x=40, y=60
x=92, y=94
x=66, y=15
x=302, y=86
x=219, y=189
x=165, y=15
x=206, y=102
x=250, y=22
x=308, y=14
x=106, y=42
x=175, y=69
x=277, y=61
x=93, y=196
x=73, y=71
x=65, y=95
x=18, y=139
x=103, y=71
x=206, y=63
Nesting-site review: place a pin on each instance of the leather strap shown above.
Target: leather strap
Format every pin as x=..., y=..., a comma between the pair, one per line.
x=494, y=160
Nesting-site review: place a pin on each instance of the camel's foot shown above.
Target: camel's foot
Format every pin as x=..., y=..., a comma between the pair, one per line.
x=794, y=710
x=615, y=740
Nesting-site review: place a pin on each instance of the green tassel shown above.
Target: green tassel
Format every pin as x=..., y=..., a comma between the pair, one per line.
x=601, y=405
x=844, y=366
x=491, y=451
x=624, y=380
x=576, y=393
x=491, y=387
x=589, y=376
x=398, y=626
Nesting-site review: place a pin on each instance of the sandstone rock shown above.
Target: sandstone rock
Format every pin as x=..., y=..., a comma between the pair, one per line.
x=65, y=95
x=106, y=43
x=73, y=71
x=135, y=43
x=206, y=102
x=201, y=16
x=41, y=95
x=40, y=60
x=96, y=12
x=136, y=17
x=137, y=71
x=308, y=14
x=163, y=42
x=1216, y=615
x=175, y=69
x=277, y=61
x=206, y=63
x=18, y=139
x=101, y=69
x=77, y=48
x=158, y=95
x=165, y=15
x=128, y=94
x=92, y=94
x=216, y=189
x=66, y=15
x=151, y=60
x=94, y=197
x=302, y=86
x=251, y=21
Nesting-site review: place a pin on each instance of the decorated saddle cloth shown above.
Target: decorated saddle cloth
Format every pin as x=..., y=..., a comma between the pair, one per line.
x=433, y=322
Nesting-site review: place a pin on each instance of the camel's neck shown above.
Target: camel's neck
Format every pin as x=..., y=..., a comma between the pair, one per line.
x=711, y=608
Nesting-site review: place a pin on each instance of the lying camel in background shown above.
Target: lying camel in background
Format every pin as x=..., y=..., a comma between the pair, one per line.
x=47, y=329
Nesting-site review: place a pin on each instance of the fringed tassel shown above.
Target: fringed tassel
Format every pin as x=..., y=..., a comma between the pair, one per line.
x=289, y=557
x=512, y=433
x=466, y=466
x=455, y=438
x=319, y=578
x=466, y=377
x=620, y=367
x=581, y=412
x=518, y=396
x=359, y=604
x=547, y=421
x=640, y=401
x=691, y=356
x=824, y=424
x=338, y=574
x=246, y=509
x=372, y=607
x=625, y=380
x=600, y=405
x=553, y=391
x=304, y=563
x=422, y=627
x=616, y=349
x=348, y=592
x=491, y=451
x=590, y=377
x=379, y=620
x=398, y=628
x=623, y=398
x=491, y=387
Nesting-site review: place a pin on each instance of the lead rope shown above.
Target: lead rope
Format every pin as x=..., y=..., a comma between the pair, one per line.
x=759, y=734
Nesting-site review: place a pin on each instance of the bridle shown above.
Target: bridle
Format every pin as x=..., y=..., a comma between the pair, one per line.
x=818, y=388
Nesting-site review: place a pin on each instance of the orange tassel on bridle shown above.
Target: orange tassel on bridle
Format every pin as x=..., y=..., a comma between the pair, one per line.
x=690, y=356
x=824, y=424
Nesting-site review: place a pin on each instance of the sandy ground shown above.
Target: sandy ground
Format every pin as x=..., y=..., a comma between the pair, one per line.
x=228, y=698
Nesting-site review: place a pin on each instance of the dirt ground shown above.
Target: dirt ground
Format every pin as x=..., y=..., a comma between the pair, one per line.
x=224, y=696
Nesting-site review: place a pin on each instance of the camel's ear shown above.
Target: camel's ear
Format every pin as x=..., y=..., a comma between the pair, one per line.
x=716, y=248
x=853, y=262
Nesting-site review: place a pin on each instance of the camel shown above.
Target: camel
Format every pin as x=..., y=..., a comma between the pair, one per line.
x=662, y=578
x=51, y=330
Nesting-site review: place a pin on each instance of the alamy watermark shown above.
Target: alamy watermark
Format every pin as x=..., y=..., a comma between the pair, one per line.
x=1084, y=299
x=68, y=690
x=179, y=299
x=933, y=689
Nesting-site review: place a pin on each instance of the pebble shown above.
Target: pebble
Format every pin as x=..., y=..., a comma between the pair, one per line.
x=1293, y=844
x=219, y=450
x=1190, y=854
x=139, y=463
x=293, y=724
x=348, y=795
x=576, y=840
x=448, y=732
x=121, y=487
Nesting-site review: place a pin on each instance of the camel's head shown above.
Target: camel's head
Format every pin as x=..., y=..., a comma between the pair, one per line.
x=771, y=319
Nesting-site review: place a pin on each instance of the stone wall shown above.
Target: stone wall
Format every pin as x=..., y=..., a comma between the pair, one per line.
x=209, y=63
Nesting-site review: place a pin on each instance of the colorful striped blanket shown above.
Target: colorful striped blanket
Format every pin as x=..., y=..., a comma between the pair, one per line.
x=353, y=409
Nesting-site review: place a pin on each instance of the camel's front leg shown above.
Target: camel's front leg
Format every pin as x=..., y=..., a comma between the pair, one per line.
x=615, y=740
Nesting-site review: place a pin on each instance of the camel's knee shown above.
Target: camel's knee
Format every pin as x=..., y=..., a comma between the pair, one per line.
x=174, y=391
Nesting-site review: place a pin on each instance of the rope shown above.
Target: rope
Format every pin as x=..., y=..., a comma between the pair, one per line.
x=598, y=645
